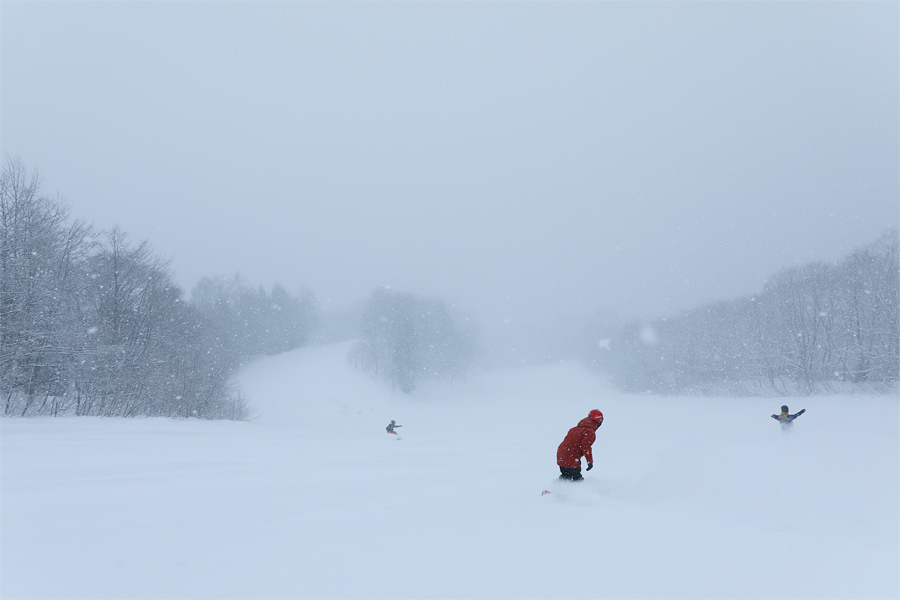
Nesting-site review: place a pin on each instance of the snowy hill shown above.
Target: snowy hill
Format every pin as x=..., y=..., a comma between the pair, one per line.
x=689, y=498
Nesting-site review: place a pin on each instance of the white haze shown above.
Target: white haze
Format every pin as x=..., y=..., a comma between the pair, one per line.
x=689, y=498
x=519, y=159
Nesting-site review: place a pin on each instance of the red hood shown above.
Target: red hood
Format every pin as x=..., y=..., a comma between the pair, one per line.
x=589, y=423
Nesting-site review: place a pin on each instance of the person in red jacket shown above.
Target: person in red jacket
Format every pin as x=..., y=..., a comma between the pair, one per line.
x=576, y=444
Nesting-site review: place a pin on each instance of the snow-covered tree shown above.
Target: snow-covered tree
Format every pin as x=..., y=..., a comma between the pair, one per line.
x=406, y=339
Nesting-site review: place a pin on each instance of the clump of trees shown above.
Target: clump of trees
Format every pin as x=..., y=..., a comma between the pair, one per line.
x=821, y=327
x=92, y=324
x=254, y=322
x=407, y=339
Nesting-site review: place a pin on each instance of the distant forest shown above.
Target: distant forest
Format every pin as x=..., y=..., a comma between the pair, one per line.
x=93, y=324
x=819, y=328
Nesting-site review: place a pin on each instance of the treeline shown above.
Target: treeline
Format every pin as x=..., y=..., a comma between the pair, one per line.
x=407, y=339
x=91, y=324
x=822, y=327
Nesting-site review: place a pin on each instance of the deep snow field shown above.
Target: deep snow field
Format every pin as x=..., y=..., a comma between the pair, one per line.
x=689, y=497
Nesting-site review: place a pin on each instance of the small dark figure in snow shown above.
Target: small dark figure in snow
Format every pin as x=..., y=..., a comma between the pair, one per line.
x=576, y=444
x=390, y=428
x=787, y=420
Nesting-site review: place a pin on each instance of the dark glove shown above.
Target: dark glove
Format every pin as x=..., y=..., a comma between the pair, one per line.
x=802, y=410
x=590, y=466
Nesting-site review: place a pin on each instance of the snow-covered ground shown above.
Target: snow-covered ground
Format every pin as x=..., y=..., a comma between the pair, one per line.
x=689, y=498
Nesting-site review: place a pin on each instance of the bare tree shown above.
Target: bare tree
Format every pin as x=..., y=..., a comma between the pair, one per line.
x=40, y=256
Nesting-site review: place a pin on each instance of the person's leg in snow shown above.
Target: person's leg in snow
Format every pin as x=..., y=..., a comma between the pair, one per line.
x=570, y=474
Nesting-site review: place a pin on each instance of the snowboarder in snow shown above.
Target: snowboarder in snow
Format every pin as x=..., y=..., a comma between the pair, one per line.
x=390, y=428
x=787, y=420
x=576, y=444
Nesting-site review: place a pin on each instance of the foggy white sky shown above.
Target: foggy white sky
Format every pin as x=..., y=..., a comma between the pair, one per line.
x=511, y=157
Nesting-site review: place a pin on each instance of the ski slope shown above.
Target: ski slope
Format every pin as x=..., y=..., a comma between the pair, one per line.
x=689, y=497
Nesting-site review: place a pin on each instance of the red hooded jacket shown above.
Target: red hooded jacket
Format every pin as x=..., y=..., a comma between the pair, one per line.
x=577, y=444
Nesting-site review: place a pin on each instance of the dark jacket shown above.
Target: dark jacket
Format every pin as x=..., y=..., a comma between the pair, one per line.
x=577, y=443
x=786, y=418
